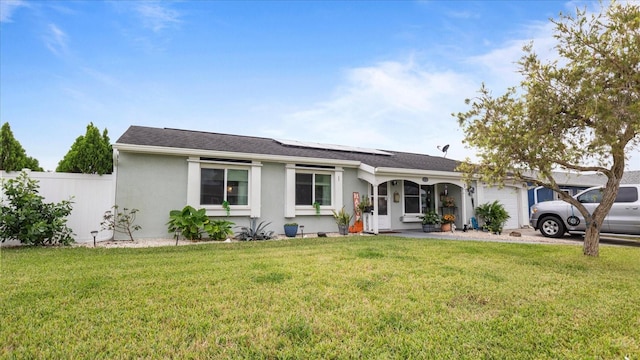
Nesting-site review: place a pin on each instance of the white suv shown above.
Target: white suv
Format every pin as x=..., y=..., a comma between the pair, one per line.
x=555, y=218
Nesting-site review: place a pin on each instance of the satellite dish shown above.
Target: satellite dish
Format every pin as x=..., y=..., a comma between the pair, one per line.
x=444, y=149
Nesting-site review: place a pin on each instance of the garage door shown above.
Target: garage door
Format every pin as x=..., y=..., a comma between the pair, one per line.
x=508, y=197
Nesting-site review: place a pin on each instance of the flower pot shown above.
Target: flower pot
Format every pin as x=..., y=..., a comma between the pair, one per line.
x=429, y=227
x=290, y=230
x=446, y=227
x=343, y=229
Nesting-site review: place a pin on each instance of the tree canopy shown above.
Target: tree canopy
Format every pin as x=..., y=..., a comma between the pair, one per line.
x=579, y=113
x=13, y=157
x=89, y=154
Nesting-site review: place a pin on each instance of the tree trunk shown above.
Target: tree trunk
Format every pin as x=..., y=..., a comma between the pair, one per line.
x=592, y=240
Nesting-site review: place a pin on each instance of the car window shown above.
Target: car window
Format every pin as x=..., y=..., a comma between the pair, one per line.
x=627, y=194
x=591, y=196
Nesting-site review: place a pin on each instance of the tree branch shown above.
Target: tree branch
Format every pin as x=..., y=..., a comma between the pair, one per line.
x=583, y=168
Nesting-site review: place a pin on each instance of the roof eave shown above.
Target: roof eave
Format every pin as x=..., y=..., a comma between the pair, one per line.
x=162, y=150
x=414, y=172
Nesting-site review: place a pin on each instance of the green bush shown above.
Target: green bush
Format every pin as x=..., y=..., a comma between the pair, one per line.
x=27, y=218
x=493, y=214
x=219, y=229
x=192, y=223
x=189, y=221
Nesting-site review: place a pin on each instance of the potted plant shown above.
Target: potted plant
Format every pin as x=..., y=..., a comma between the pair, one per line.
x=291, y=229
x=447, y=220
x=430, y=221
x=343, y=219
x=448, y=202
x=365, y=205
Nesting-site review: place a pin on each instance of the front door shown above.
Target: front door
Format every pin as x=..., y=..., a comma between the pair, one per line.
x=384, y=221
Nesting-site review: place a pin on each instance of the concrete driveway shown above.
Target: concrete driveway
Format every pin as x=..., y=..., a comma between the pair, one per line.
x=526, y=236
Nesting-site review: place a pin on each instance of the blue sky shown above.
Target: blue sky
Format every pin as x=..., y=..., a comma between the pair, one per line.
x=378, y=74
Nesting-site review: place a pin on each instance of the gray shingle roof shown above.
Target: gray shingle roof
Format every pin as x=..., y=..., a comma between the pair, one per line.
x=631, y=177
x=199, y=140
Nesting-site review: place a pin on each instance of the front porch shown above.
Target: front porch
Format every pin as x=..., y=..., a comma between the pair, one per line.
x=400, y=200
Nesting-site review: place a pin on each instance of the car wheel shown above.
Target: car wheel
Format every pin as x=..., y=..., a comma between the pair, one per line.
x=552, y=227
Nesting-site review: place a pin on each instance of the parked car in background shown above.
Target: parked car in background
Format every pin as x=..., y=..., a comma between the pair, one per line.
x=555, y=218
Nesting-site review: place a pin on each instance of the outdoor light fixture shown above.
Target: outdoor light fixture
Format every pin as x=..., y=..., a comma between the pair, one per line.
x=394, y=182
x=178, y=232
x=302, y=230
x=94, y=233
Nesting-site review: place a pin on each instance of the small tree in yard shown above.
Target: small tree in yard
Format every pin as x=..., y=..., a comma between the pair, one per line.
x=24, y=215
x=120, y=221
x=12, y=154
x=89, y=154
x=579, y=114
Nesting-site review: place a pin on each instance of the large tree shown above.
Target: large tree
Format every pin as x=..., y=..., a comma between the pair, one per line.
x=89, y=154
x=12, y=154
x=580, y=113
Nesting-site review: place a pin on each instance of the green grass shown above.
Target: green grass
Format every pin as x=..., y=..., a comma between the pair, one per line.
x=356, y=297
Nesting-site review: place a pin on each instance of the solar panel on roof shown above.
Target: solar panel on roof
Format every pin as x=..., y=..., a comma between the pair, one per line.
x=345, y=148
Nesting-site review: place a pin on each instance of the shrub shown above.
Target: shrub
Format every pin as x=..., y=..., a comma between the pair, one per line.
x=493, y=214
x=189, y=221
x=120, y=221
x=192, y=223
x=219, y=229
x=24, y=215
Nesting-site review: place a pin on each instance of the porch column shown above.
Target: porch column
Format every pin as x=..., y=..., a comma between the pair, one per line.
x=463, y=210
x=375, y=208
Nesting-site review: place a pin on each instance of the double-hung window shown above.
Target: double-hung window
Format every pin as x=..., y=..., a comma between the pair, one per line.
x=313, y=188
x=218, y=185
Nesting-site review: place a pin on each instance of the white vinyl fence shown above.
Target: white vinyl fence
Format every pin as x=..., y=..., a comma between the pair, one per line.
x=91, y=195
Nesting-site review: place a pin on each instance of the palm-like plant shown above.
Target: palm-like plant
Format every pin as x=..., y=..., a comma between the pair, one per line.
x=493, y=214
x=255, y=231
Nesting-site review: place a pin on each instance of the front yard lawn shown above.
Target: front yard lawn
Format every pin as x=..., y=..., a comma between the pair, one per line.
x=351, y=297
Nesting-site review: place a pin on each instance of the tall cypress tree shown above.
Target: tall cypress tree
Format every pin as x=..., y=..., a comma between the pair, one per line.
x=12, y=154
x=89, y=154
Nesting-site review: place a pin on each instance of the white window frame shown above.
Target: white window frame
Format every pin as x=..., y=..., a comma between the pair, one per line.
x=252, y=209
x=226, y=185
x=293, y=210
x=313, y=187
x=419, y=196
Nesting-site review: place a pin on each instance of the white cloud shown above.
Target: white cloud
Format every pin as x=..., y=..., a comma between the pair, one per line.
x=499, y=66
x=407, y=106
x=156, y=16
x=8, y=8
x=393, y=105
x=56, y=40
